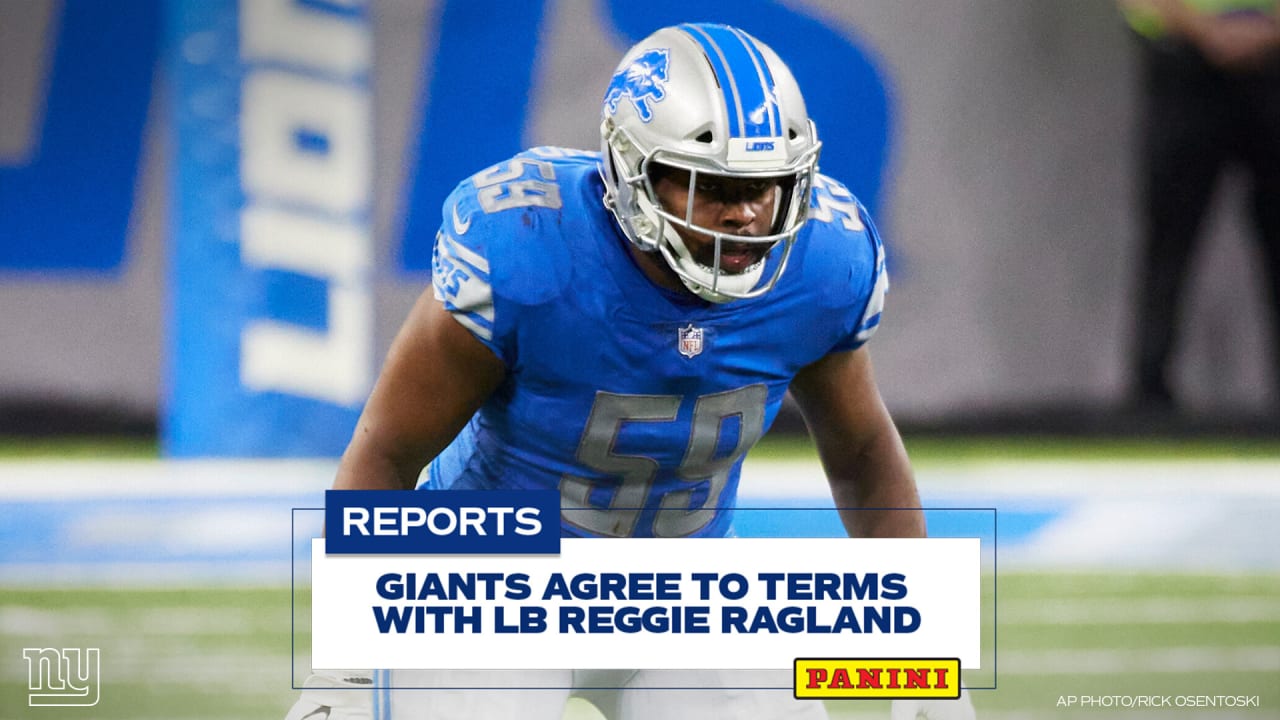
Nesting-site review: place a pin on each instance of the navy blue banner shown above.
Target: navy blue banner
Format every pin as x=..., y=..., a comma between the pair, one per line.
x=435, y=522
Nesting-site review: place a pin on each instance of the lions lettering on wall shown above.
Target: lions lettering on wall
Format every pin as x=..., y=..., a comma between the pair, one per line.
x=272, y=326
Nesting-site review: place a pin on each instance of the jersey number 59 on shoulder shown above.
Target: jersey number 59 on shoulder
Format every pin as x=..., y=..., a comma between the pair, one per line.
x=676, y=516
x=520, y=182
x=831, y=200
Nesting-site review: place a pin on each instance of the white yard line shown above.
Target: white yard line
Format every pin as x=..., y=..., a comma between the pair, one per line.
x=1156, y=611
x=45, y=479
x=1118, y=661
x=1044, y=478
x=152, y=622
x=37, y=480
x=144, y=575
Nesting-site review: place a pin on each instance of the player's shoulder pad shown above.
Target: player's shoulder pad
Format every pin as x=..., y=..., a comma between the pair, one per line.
x=843, y=249
x=504, y=223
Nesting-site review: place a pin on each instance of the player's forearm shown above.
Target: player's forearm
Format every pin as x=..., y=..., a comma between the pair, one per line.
x=365, y=466
x=876, y=490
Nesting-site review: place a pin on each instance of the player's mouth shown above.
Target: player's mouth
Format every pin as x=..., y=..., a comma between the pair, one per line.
x=738, y=257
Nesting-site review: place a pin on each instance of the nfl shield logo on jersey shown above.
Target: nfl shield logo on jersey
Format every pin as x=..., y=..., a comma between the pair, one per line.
x=690, y=340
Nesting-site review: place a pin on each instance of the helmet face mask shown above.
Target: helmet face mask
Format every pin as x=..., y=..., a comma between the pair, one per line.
x=692, y=205
x=713, y=102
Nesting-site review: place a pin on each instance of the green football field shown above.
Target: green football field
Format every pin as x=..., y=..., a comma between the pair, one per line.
x=225, y=653
x=1111, y=637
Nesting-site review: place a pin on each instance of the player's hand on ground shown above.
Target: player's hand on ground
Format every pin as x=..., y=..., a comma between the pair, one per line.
x=958, y=709
x=335, y=695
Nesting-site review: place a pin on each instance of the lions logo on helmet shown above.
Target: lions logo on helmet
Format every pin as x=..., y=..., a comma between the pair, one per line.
x=730, y=108
x=642, y=81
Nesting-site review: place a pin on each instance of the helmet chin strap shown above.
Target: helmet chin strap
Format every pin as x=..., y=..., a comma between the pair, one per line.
x=698, y=279
x=701, y=281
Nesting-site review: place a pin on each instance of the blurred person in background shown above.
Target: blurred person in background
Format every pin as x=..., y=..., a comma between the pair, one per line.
x=1211, y=97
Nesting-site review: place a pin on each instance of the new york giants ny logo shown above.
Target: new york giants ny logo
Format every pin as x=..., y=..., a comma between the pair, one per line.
x=55, y=680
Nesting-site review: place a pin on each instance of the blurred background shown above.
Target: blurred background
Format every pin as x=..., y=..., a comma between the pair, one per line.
x=995, y=142
x=214, y=216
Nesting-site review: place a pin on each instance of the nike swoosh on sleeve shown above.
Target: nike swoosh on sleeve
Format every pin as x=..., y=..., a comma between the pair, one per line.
x=459, y=226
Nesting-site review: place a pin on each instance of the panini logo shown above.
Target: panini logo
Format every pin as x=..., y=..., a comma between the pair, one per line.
x=877, y=678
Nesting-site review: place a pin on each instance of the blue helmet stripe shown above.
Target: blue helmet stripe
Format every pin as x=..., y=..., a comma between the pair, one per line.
x=744, y=79
x=753, y=96
x=730, y=96
x=771, y=99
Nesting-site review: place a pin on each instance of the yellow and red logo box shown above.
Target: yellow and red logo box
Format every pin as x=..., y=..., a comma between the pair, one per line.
x=877, y=678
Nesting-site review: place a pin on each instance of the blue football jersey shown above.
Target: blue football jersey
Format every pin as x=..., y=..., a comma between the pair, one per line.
x=637, y=403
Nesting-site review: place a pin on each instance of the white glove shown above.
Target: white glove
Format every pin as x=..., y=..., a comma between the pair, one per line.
x=959, y=709
x=335, y=695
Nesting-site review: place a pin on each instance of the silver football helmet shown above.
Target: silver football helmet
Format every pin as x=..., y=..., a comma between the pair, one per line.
x=706, y=99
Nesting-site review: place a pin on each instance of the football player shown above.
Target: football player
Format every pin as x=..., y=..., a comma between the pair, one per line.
x=622, y=326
